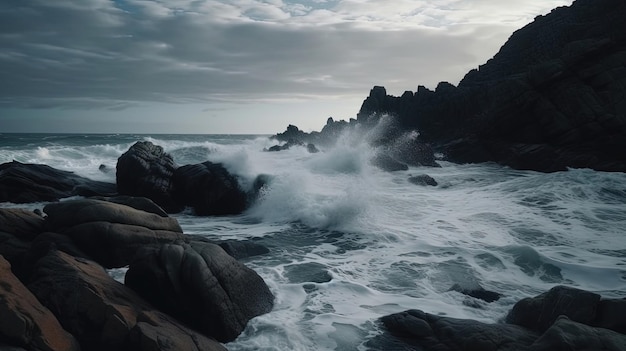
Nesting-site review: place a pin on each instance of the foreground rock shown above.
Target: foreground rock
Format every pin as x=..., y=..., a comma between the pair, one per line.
x=561, y=319
x=201, y=285
x=110, y=233
x=553, y=97
x=209, y=189
x=26, y=183
x=146, y=170
x=24, y=322
x=104, y=314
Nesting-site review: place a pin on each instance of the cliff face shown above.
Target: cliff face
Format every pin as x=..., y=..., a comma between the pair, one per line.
x=553, y=97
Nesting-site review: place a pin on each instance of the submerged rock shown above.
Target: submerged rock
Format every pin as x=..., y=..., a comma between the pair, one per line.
x=201, y=285
x=423, y=179
x=477, y=292
x=387, y=163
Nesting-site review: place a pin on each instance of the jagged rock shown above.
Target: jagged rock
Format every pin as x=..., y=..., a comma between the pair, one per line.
x=387, y=163
x=104, y=314
x=26, y=183
x=24, y=321
x=209, y=189
x=146, y=170
x=540, y=312
x=293, y=134
x=553, y=97
x=108, y=232
x=201, y=285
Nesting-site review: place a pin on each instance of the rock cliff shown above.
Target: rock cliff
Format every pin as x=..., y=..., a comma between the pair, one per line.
x=553, y=97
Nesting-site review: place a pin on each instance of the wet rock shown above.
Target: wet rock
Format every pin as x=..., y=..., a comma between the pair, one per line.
x=209, y=189
x=104, y=314
x=610, y=315
x=26, y=183
x=539, y=312
x=238, y=249
x=424, y=180
x=312, y=149
x=136, y=202
x=24, y=321
x=477, y=292
x=201, y=285
x=22, y=223
x=566, y=334
x=146, y=170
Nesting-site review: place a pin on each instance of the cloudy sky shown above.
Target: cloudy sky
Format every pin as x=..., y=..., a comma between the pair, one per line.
x=237, y=66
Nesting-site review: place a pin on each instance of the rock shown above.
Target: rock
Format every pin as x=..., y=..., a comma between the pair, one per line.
x=146, y=170
x=138, y=203
x=26, y=183
x=238, y=249
x=292, y=134
x=14, y=250
x=104, y=314
x=209, y=189
x=201, y=285
x=424, y=180
x=566, y=334
x=311, y=148
x=310, y=272
x=387, y=163
x=423, y=331
x=539, y=312
x=108, y=232
x=477, y=292
x=610, y=315
x=553, y=97
x=25, y=322
x=21, y=223
x=71, y=213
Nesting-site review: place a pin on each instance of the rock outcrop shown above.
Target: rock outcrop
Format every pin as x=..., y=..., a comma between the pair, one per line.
x=201, y=285
x=25, y=183
x=553, y=97
x=562, y=318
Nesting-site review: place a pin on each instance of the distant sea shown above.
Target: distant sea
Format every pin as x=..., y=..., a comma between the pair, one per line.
x=350, y=243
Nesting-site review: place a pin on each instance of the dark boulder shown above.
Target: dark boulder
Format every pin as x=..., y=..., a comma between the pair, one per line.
x=309, y=272
x=423, y=179
x=26, y=183
x=108, y=232
x=209, y=189
x=539, y=312
x=22, y=223
x=103, y=314
x=567, y=335
x=477, y=292
x=387, y=163
x=136, y=202
x=201, y=285
x=146, y=170
x=238, y=249
x=24, y=322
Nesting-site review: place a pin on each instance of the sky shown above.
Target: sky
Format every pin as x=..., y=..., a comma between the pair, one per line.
x=238, y=66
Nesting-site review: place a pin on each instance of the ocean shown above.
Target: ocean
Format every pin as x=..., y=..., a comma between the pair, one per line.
x=351, y=243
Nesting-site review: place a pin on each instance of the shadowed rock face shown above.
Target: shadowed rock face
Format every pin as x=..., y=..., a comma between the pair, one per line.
x=553, y=97
x=201, y=285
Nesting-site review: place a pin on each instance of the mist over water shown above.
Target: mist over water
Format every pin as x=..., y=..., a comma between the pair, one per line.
x=350, y=243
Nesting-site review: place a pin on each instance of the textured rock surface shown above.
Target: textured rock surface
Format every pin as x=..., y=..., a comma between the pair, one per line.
x=146, y=170
x=209, y=189
x=554, y=96
x=202, y=285
x=104, y=314
x=25, y=183
x=24, y=321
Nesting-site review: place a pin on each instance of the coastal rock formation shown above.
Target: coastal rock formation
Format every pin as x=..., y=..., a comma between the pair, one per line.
x=562, y=318
x=25, y=183
x=553, y=97
x=24, y=322
x=146, y=170
x=209, y=189
x=201, y=285
x=423, y=179
x=103, y=314
x=108, y=232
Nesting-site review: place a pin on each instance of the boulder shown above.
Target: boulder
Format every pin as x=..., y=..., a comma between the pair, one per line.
x=136, y=202
x=22, y=223
x=103, y=314
x=238, y=249
x=110, y=233
x=26, y=183
x=477, y=292
x=539, y=312
x=24, y=321
x=209, y=189
x=201, y=285
x=146, y=170
x=566, y=334
x=387, y=163
x=423, y=179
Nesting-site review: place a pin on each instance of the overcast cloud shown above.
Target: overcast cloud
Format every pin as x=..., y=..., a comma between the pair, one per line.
x=117, y=54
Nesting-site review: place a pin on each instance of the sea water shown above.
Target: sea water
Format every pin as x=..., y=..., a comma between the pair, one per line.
x=350, y=243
